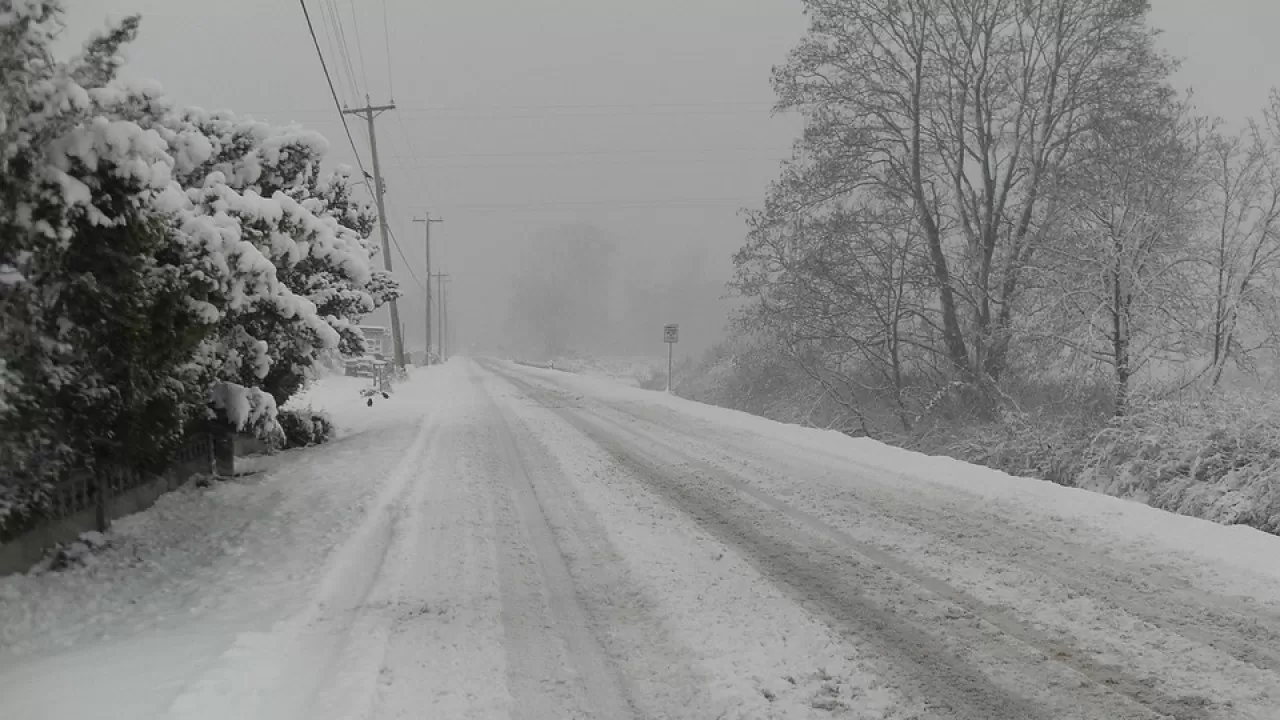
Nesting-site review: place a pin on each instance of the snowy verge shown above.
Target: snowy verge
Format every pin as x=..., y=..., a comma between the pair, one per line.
x=180, y=582
x=634, y=371
x=339, y=396
x=1108, y=520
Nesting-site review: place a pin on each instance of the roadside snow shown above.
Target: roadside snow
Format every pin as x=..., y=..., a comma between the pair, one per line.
x=1235, y=559
x=204, y=570
x=339, y=396
x=762, y=655
x=630, y=371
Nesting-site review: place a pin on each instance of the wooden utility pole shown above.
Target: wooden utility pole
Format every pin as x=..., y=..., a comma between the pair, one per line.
x=442, y=317
x=369, y=112
x=426, y=224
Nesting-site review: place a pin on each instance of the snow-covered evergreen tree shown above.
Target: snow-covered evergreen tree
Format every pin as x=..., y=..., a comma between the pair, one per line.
x=155, y=263
x=96, y=332
x=311, y=229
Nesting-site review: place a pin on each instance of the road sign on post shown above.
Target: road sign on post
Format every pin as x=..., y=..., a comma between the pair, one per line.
x=671, y=335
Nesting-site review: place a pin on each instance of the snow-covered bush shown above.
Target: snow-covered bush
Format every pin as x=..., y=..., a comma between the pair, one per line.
x=78, y=553
x=308, y=229
x=158, y=266
x=96, y=326
x=748, y=374
x=1217, y=459
x=305, y=427
x=1042, y=444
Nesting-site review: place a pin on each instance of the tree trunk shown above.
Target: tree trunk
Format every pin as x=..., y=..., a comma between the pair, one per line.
x=1120, y=340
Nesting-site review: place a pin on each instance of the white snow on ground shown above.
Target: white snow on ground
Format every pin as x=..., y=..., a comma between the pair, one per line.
x=475, y=549
x=201, y=571
x=1205, y=546
x=1173, y=604
x=762, y=655
x=627, y=370
x=339, y=396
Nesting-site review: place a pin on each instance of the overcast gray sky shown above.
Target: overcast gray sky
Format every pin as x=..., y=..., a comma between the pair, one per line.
x=650, y=119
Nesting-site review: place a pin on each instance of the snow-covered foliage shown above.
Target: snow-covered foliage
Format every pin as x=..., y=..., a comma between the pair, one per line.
x=157, y=265
x=1215, y=456
x=95, y=331
x=1218, y=459
x=304, y=427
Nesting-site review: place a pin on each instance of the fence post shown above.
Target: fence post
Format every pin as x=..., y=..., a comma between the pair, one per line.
x=100, y=482
x=224, y=452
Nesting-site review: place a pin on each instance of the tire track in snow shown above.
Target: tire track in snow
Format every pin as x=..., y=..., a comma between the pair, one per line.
x=937, y=665
x=278, y=674
x=1183, y=650
x=702, y=634
x=547, y=630
x=445, y=648
x=1248, y=632
x=657, y=672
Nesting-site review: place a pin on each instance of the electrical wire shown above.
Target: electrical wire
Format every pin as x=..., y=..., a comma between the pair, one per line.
x=404, y=130
x=364, y=176
x=407, y=266
x=623, y=152
x=341, y=115
x=344, y=49
x=386, y=46
x=355, y=28
x=691, y=202
x=330, y=37
x=730, y=107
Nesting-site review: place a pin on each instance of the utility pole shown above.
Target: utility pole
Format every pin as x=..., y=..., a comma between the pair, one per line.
x=444, y=329
x=426, y=225
x=369, y=112
x=442, y=317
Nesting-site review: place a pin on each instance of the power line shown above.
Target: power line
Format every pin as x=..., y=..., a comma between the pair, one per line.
x=364, y=176
x=344, y=48
x=615, y=106
x=595, y=163
x=694, y=202
x=552, y=111
x=386, y=46
x=355, y=27
x=407, y=266
x=404, y=131
x=330, y=36
x=605, y=153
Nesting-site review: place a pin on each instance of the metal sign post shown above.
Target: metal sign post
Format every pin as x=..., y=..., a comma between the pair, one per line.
x=671, y=335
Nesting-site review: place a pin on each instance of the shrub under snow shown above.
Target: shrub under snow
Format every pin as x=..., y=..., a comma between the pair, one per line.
x=159, y=266
x=305, y=427
x=1218, y=459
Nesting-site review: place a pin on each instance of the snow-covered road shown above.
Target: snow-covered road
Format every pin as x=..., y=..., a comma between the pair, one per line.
x=498, y=541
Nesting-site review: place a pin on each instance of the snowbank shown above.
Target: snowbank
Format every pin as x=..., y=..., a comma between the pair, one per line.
x=636, y=371
x=1114, y=521
x=186, y=554
x=339, y=396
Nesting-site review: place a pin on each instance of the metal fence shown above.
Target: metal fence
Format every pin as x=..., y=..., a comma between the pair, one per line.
x=83, y=490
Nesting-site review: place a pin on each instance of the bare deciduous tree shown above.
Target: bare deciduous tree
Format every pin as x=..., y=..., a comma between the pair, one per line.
x=968, y=110
x=1125, y=293
x=1243, y=248
x=845, y=291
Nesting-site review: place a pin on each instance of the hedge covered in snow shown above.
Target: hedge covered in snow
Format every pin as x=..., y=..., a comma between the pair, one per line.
x=160, y=266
